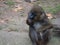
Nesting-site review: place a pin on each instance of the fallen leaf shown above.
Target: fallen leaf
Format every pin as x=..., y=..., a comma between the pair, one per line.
x=49, y=16
x=2, y=21
x=18, y=9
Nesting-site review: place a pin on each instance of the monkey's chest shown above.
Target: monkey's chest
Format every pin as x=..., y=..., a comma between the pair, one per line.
x=37, y=26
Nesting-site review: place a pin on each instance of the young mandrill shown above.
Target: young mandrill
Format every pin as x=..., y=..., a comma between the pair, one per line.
x=39, y=26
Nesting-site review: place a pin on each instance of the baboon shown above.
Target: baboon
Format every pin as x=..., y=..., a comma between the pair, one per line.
x=38, y=26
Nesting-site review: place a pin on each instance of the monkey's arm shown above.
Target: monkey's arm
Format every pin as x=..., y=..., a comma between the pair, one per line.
x=29, y=22
x=45, y=27
x=51, y=26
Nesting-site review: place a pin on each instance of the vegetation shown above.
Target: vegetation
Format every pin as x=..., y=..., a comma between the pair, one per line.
x=10, y=2
x=53, y=10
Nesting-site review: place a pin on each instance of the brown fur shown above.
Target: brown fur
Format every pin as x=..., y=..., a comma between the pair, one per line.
x=37, y=14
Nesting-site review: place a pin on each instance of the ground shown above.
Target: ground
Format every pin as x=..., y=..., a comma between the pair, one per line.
x=13, y=27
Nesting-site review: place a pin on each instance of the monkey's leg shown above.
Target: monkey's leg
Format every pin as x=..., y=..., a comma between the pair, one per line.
x=46, y=36
x=33, y=36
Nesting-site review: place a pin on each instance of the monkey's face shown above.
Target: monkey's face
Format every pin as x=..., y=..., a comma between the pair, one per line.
x=38, y=16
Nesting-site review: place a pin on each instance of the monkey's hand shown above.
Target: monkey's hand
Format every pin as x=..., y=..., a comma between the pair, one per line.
x=29, y=22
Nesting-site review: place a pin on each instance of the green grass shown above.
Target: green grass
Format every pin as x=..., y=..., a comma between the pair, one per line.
x=13, y=29
x=0, y=28
x=48, y=7
x=10, y=2
x=53, y=10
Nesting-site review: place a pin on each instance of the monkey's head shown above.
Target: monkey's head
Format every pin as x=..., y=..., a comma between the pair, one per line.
x=37, y=12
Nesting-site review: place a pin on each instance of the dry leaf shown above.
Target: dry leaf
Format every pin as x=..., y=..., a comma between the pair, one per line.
x=18, y=9
x=49, y=16
x=2, y=21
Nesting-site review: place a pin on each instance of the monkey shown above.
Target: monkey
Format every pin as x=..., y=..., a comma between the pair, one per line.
x=36, y=20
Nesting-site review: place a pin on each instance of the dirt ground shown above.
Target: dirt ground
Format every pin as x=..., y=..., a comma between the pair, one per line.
x=13, y=19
